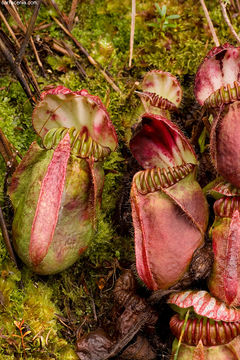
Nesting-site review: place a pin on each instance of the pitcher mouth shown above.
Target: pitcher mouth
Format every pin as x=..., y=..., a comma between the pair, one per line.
x=218, y=74
x=210, y=332
x=62, y=107
x=155, y=179
x=225, y=95
x=156, y=100
x=82, y=144
x=164, y=85
x=203, y=304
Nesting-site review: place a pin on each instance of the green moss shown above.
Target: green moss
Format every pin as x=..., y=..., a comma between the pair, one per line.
x=59, y=62
x=15, y=118
x=103, y=27
x=24, y=297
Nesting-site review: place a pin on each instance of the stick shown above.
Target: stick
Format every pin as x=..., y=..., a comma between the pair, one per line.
x=9, y=29
x=16, y=69
x=233, y=4
x=210, y=24
x=13, y=12
x=9, y=153
x=72, y=56
x=132, y=31
x=56, y=45
x=24, y=68
x=228, y=22
x=132, y=90
x=6, y=238
x=42, y=26
x=28, y=33
x=29, y=73
x=60, y=14
x=72, y=13
x=37, y=57
x=238, y=5
x=59, y=48
x=181, y=336
x=93, y=306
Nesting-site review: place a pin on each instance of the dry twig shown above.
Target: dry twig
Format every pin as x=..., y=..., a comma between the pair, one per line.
x=132, y=90
x=42, y=26
x=93, y=305
x=60, y=14
x=14, y=13
x=228, y=22
x=9, y=29
x=132, y=32
x=58, y=48
x=6, y=238
x=56, y=45
x=16, y=68
x=72, y=13
x=71, y=54
x=210, y=24
x=238, y=5
x=28, y=33
x=233, y=5
x=29, y=71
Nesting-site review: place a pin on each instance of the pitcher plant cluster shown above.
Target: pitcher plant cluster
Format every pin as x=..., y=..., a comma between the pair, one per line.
x=212, y=328
x=57, y=187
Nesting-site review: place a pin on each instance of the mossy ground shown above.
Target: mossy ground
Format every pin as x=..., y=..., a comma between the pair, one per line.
x=81, y=295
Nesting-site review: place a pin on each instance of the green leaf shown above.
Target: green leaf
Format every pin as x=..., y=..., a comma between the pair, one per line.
x=153, y=24
x=172, y=17
x=202, y=140
x=182, y=332
x=167, y=25
x=159, y=10
x=164, y=10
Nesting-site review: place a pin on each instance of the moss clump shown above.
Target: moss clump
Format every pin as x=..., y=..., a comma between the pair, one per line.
x=83, y=292
x=27, y=303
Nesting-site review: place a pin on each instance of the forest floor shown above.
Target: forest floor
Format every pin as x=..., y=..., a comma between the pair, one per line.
x=53, y=311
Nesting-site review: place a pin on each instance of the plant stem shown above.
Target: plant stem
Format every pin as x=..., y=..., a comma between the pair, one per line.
x=71, y=54
x=210, y=24
x=72, y=14
x=6, y=238
x=132, y=31
x=181, y=336
x=16, y=69
x=228, y=22
x=238, y=5
x=28, y=33
x=29, y=73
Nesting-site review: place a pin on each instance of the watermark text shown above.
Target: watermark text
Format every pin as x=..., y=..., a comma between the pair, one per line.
x=19, y=2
